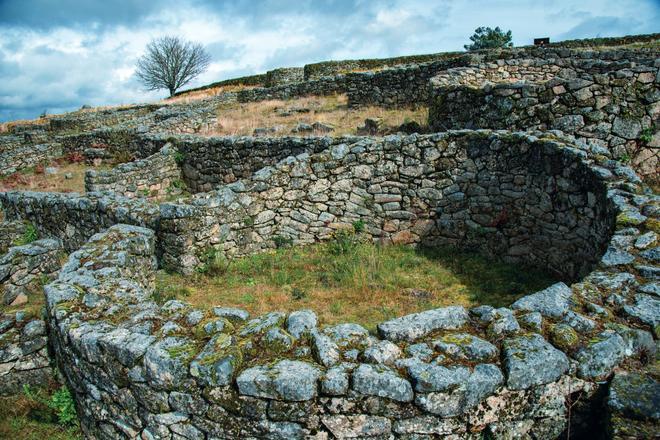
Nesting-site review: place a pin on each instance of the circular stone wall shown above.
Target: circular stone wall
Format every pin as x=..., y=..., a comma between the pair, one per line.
x=142, y=370
x=516, y=196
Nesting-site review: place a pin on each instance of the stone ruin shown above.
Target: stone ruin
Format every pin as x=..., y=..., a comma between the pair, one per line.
x=575, y=357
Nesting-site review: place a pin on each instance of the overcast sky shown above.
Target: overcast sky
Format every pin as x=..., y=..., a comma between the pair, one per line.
x=57, y=55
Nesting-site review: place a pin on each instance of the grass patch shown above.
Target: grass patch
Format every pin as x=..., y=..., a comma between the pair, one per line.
x=242, y=119
x=346, y=279
x=39, y=414
x=29, y=235
x=36, y=180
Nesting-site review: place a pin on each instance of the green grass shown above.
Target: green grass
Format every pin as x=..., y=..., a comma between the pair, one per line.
x=348, y=280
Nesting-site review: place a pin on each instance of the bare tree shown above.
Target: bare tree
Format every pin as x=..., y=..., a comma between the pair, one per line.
x=170, y=63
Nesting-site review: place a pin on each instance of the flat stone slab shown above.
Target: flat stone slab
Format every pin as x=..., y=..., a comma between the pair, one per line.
x=635, y=395
x=358, y=426
x=287, y=380
x=553, y=301
x=411, y=327
x=530, y=360
x=381, y=381
x=599, y=357
x=646, y=309
x=465, y=346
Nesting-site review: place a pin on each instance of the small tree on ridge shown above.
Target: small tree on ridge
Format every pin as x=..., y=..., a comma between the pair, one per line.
x=170, y=63
x=487, y=38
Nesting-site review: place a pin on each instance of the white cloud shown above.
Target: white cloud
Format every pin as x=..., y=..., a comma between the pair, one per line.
x=75, y=62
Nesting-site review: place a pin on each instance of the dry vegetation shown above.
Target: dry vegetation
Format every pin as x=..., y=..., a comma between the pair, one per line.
x=242, y=119
x=346, y=281
x=203, y=94
x=70, y=177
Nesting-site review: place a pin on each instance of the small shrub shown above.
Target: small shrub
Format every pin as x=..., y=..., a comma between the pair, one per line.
x=122, y=156
x=646, y=136
x=625, y=158
x=60, y=403
x=179, y=157
x=247, y=298
x=163, y=294
x=29, y=235
x=335, y=308
x=214, y=263
x=282, y=242
x=179, y=184
x=358, y=226
x=342, y=242
x=297, y=293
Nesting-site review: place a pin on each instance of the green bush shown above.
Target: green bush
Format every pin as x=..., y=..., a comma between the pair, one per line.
x=358, y=226
x=60, y=403
x=214, y=263
x=343, y=242
x=29, y=235
x=179, y=157
x=282, y=242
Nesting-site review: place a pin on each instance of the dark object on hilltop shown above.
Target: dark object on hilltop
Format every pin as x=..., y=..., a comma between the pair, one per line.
x=171, y=63
x=541, y=41
x=487, y=38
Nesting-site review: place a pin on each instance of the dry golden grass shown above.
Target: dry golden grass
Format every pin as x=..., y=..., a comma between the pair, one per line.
x=204, y=94
x=35, y=179
x=242, y=119
x=364, y=283
x=7, y=126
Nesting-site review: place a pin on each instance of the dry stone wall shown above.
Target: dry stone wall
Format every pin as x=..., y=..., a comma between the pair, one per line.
x=73, y=218
x=139, y=369
x=612, y=103
x=24, y=358
x=155, y=176
x=519, y=197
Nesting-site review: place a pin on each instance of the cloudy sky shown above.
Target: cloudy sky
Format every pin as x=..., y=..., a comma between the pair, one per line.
x=56, y=55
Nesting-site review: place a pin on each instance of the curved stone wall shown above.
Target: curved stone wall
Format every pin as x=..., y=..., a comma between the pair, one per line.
x=613, y=103
x=517, y=196
x=142, y=370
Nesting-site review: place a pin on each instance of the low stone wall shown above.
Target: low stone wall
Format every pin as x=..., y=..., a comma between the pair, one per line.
x=208, y=163
x=152, y=177
x=284, y=75
x=319, y=87
x=24, y=269
x=613, y=104
x=90, y=120
x=24, y=358
x=399, y=86
x=11, y=232
x=332, y=68
x=27, y=155
x=73, y=218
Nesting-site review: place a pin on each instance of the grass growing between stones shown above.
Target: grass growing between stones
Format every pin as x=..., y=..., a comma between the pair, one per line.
x=354, y=282
x=242, y=119
x=38, y=416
